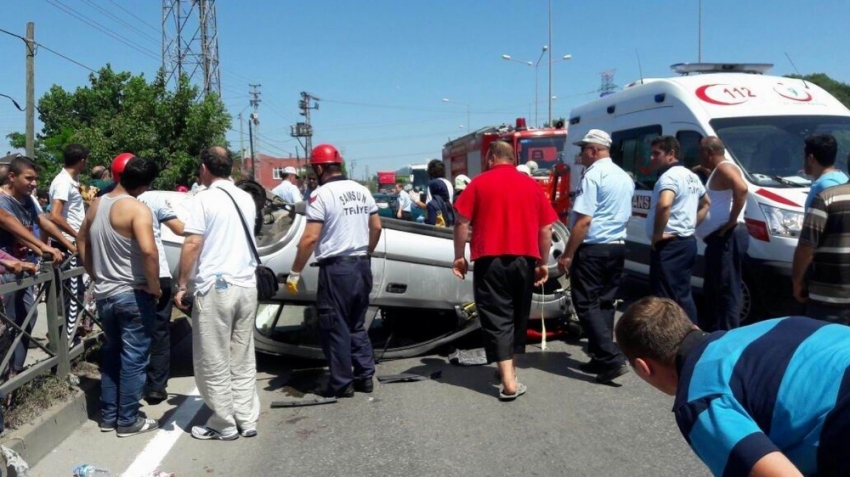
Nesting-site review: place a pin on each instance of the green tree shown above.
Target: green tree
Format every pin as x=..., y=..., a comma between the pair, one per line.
x=840, y=90
x=121, y=112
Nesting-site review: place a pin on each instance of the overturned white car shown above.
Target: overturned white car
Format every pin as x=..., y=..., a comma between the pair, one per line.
x=417, y=304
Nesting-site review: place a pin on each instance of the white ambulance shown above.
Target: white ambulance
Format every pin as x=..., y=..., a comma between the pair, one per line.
x=762, y=120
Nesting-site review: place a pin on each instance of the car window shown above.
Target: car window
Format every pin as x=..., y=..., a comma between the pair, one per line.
x=631, y=150
x=689, y=142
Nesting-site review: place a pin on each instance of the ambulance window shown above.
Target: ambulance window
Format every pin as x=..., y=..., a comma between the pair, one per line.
x=689, y=142
x=631, y=150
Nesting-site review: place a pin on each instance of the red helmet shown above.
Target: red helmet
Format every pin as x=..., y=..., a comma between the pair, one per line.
x=325, y=154
x=119, y=163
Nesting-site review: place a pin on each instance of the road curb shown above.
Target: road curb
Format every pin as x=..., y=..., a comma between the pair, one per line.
x=35, y=440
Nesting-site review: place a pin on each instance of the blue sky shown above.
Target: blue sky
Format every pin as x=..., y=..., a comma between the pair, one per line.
x=382, y=67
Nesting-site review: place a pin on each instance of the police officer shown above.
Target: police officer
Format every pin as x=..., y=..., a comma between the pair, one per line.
x=679, y=204
x=595, y=254
x=343, y=227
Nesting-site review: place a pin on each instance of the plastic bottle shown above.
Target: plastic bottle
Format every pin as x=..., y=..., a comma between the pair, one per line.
x=86, y=470
x=220, y=282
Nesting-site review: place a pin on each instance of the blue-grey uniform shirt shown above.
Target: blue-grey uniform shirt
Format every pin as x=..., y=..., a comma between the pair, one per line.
x=687, y=190
x=605, y=194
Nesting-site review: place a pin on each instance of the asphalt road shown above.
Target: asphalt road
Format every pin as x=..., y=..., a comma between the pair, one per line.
x=564, y=425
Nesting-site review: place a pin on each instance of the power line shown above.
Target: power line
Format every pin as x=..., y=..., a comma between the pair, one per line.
x=39, y=45
x=103, y=29
x=123, y=22
x=134, y=16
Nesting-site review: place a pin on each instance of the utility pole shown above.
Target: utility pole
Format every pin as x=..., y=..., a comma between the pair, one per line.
x=30, y=49
x=351, y=166
x=550, y=63
x=253, y=121
x=241, y=139
x=251, y=144
x=305, y=129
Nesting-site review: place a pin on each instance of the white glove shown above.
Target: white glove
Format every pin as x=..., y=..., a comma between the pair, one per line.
x=292, y=282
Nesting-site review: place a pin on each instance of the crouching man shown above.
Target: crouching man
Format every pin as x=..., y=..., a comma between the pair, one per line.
x=118, y=250
x=769, y=399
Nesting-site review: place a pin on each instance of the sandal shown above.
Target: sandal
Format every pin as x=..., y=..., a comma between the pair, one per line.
x=520, y=390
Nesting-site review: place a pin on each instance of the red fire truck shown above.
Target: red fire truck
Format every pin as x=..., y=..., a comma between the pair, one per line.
x=467, y=155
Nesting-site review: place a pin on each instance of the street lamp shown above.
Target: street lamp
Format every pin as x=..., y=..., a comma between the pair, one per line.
x=447, y=100
x=536, y=75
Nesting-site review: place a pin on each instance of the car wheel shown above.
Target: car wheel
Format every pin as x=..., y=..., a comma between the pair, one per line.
x=560, y=237
x=752, y=309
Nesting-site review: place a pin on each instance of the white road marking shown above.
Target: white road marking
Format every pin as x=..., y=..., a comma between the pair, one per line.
x=156, y=450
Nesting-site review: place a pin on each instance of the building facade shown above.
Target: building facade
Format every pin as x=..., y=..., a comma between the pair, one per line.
x=269, y=169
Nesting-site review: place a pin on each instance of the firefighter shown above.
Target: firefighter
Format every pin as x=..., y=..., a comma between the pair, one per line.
x=343, y=227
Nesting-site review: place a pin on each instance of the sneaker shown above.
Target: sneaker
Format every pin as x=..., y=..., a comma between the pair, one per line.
x=209, y=434
x=612, y=374
x=107, y=426
x=142, y=425
x=364, y=385
x=155, y=397
x=592, y=367
x=248, y=433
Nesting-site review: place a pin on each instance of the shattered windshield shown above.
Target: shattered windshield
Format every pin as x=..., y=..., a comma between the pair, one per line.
x=770, y=148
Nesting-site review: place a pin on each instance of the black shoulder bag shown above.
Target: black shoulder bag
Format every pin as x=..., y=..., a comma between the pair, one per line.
x=267, y=285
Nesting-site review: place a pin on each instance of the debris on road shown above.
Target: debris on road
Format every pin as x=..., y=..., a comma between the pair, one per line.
x=408, y=377
x=303, y=402
x=468, y=357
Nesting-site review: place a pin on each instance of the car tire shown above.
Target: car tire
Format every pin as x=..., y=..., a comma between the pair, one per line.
x=560, y=237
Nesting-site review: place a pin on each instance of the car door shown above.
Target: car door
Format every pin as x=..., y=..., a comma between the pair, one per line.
x=630, y=150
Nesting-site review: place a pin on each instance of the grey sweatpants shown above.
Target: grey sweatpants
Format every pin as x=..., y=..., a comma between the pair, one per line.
x=223, y=356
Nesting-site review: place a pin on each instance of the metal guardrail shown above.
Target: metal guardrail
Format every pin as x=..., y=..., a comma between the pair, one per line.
x=48, y=282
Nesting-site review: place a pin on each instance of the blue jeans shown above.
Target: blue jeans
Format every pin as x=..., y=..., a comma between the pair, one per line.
x=18, y=305
x=128, y=321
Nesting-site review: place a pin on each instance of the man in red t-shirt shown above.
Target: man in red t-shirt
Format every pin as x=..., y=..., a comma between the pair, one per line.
x=511, y=235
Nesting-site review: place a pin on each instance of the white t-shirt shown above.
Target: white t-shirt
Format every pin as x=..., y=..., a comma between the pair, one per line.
x=687, y=190
x=162, y=212
x=66, y=189
x=288, y=192
x=344, y=207
x=225, y=249
x=448, y=186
